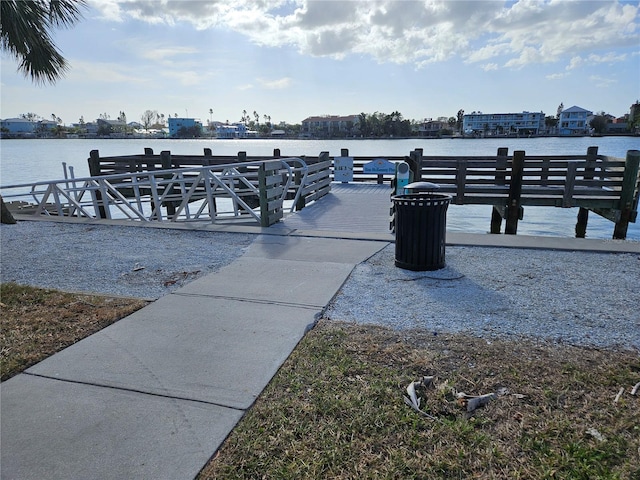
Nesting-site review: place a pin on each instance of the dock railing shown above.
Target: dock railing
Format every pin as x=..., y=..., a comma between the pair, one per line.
x=211, y=193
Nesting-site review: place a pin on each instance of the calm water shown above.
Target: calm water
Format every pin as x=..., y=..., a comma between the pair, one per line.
x=24, y=161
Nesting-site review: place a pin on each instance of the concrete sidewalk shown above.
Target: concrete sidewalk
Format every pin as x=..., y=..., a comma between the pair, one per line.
x=155, y=394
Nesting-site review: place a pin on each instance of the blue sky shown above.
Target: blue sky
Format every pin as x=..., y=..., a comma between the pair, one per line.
x=290, y=59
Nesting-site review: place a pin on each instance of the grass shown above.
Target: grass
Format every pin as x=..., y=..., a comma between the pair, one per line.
x=36, y=323
x=335, y=409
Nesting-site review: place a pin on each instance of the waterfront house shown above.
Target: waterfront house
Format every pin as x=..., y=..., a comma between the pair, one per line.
x=18, y=127
x=503, y=124
x=233, y=130
x=25, y=128
x=329, y=126
x=574, y=121
x=434, y=128
x=177, y=124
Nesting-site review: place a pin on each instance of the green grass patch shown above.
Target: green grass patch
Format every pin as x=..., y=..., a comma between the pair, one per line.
x=335, y=410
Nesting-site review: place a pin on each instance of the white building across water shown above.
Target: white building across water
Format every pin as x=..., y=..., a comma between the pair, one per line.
x=497, y=124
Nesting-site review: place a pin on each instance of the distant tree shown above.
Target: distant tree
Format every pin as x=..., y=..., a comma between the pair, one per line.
x=634, y=116
x=559, y=110
x=599, y=123
x=104, y=116
x=32, y=117
x=459, y=119
x=148, y=118
x=26, y=33
x=122, y=117
x=256, y=115
x=451, y=121
x=363, y=124
x=104, y=129
x=189, y=132
x=550, y=122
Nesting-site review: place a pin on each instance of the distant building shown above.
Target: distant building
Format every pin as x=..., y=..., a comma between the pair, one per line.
x=433, y=128
x=574, y=121
x=176, y=124
x=330, y=126
x=24, y=128
x=498, y=124
x=113, y=128
x=20, y=127
x=234, y=130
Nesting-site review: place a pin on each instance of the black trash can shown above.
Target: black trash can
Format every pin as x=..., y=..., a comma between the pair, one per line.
x=420, y=223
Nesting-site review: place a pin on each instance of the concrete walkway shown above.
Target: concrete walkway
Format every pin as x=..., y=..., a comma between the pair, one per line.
x=155, y=394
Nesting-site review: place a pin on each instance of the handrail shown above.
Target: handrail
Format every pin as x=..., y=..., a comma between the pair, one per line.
x=173, y=188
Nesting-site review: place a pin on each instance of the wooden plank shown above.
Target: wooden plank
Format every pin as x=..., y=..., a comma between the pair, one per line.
x=570, y=183
x=316, y=186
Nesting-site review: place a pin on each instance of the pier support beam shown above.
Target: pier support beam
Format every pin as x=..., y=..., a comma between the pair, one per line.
x=515, y=193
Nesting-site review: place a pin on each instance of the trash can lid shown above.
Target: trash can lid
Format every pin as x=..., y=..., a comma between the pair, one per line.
x=422, y=186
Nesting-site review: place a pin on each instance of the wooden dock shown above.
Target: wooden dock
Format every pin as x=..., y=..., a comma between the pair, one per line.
x=349, y=208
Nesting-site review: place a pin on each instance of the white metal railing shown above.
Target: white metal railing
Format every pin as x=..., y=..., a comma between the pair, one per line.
x=211, y=193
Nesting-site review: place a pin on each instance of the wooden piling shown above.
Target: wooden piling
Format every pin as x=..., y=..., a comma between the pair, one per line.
x=589, y=172
x=165, y=160
x=629, y=184
x=501, y=179
x=94, y=171
x=515, y=192
x=415, y=164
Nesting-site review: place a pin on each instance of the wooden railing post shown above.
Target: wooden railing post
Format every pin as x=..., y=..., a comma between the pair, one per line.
x=501, y=165
x=515, y=193
x=415, y=164
x=501, y=179
x=271, y=190
x=628, y=195
x=589, y=171
x=208, y=156
x=165, y=161
x=94, y=171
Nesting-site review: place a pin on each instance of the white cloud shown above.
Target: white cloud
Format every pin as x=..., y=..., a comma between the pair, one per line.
x=489, y=66
x=556, y=76
x=601, y=81
x=519, y=33
x=164, y=53
x=102, y=72
x=594, y=59
x=275, y=84
x=185, y=78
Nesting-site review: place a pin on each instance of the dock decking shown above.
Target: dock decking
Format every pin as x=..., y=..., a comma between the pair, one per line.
x=349, y=208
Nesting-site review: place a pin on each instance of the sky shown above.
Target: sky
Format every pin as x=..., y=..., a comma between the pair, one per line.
x=291, y=59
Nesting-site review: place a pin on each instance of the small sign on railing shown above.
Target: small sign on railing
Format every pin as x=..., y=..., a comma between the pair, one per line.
x=379, y=166
x=343, y=169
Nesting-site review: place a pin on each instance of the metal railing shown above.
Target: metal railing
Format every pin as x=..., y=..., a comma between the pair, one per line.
x=212, y=193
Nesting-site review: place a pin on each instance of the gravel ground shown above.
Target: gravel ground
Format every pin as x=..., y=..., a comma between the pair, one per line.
x=579, y=298
x=126, y=261
x=589, y=299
